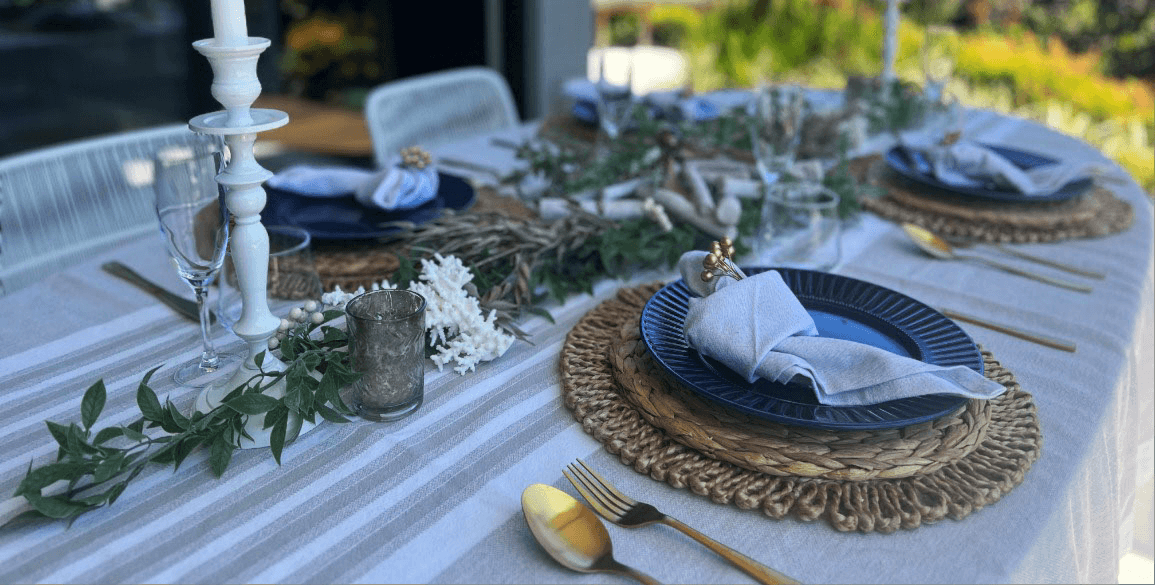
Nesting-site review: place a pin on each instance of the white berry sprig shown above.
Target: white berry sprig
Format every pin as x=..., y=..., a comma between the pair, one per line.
x=307, y=313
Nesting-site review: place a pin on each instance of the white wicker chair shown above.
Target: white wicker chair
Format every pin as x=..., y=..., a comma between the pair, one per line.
x=437, y=107
x=63, y=204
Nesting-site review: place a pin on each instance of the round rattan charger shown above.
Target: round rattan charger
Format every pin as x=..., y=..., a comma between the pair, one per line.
x=857, y=480
x=1094, y=214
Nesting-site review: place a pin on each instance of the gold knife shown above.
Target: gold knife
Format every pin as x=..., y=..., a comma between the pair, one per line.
x=178, y=303
x=1012, y=331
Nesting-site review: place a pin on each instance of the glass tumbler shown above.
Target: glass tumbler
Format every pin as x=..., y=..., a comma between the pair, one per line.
x=800, y=227
x=776, y=117
x=938, y=61
x=387, y=347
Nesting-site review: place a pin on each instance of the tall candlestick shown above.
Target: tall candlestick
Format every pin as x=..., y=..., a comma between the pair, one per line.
x=890, y=39
x=229, y=27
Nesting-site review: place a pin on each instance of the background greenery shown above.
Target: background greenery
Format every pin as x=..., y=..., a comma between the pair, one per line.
x=1084, y=67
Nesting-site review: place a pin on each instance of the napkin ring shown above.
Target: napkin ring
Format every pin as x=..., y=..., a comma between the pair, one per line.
x=415, y=157
x=720, y=261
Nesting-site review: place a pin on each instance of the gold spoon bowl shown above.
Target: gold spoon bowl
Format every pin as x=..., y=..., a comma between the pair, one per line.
x=571, y=533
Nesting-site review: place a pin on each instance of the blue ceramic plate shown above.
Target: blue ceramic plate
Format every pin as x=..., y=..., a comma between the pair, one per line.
x=914, y=166
x=342, y=218
x=842, y=308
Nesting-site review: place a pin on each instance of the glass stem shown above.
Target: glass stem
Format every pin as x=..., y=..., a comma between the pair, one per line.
x=209, y=359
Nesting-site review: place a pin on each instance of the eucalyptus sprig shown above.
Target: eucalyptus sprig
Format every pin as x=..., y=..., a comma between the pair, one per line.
x=894, y=106
x=571, y=166
x=98, y=466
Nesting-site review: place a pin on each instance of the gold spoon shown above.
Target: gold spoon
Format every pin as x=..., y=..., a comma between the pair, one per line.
x=959, y=243
x=939, y=248
x=571, y=533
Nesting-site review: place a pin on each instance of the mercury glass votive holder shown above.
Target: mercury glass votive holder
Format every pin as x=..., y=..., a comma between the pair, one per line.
x=387, y=347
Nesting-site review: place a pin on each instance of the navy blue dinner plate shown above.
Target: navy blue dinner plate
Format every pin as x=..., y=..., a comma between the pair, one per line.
x=842, y=308
x=343, y=218
x=914, y=166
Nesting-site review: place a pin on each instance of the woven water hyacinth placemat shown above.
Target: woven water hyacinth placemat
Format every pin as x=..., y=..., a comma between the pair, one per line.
x=1093, y=214
x=857, y=480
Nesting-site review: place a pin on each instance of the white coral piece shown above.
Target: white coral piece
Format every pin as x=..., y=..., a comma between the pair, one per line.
x=457, y=329
x=337, y=298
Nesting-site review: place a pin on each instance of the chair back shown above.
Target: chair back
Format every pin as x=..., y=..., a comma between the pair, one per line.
x=64, y=204
x=437, y=107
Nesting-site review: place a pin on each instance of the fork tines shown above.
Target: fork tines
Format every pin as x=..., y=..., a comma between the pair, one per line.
x=606, y=500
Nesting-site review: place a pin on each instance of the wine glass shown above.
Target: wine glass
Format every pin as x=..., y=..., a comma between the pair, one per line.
x=776, y=117
x=937, y=56
x=194, y=223
x=616, y=102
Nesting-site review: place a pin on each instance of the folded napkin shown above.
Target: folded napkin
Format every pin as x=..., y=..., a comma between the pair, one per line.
x=395, y=188
x=315, y=181
x=970, y=164
x=757, y=328
x=399, y=187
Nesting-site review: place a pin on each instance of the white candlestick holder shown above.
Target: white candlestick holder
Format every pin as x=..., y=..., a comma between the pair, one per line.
x=236, y=87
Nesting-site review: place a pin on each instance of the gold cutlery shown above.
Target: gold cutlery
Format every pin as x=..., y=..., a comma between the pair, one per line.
x=939, y=248
x=1012, y=331
x=1030, y=258
x=571, y=534
x=622, y=510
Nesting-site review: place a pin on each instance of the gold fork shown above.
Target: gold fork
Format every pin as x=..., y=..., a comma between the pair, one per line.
x=622, y=510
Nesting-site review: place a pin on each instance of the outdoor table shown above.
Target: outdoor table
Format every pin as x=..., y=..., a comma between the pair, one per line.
x=435, y=497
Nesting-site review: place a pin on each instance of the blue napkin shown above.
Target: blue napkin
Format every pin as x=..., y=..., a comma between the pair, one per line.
x=757, y=328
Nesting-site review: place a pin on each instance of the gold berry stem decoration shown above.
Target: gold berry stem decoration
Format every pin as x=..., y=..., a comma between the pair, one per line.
x=720, y=261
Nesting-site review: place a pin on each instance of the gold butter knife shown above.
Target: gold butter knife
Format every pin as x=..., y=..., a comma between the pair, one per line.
x=1012, y=331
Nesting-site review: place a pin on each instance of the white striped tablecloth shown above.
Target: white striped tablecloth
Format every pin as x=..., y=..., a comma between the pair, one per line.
x=436, y=497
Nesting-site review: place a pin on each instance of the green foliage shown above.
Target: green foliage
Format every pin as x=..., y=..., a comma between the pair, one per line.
x=98, y=468
x=747, y=42
x=576, y=167
x=624, y=29
x=633, y=244
x=1124, y=30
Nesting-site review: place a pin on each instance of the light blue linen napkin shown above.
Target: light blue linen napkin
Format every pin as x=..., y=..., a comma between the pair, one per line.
x=314, y=181
x=399, y=187
x=757, y=328
x=395, y=188
x=973, y=165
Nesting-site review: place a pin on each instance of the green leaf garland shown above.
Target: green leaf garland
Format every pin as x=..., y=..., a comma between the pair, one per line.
x=98, y=471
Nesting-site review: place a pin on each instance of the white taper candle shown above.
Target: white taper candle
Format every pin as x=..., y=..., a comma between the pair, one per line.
x=890, y=39
x=229, y=27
